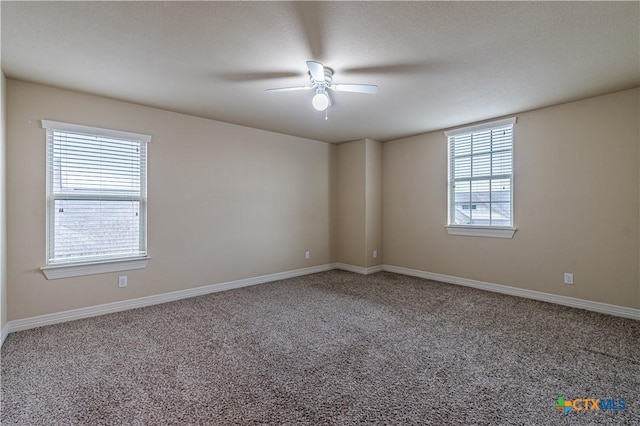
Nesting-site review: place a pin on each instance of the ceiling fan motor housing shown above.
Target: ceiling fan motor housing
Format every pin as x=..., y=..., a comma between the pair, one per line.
x=328, y=77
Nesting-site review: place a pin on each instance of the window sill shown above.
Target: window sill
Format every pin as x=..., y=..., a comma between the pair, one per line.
x=55, y=272
x=481, y=231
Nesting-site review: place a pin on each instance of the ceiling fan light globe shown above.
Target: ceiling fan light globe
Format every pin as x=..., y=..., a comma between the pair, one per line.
x=320, y=101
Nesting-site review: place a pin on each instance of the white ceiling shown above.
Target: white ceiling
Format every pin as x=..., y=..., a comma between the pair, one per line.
x=438, y=64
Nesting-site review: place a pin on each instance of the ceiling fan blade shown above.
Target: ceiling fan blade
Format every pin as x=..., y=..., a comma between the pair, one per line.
x=402, y=68
x=356, y=88
x=311, y=17
x=317, y=70
x=288, y=89
x=254, y=76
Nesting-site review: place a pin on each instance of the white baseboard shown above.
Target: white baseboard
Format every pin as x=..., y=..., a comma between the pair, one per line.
x=4, y=333
x=91, y=311
x=604, y=308
x=107, y=308
x=358, y=269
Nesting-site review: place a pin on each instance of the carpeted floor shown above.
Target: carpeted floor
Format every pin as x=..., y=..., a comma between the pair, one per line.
x=328, y=348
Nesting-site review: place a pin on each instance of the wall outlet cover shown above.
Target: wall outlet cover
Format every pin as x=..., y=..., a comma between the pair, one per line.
x=568, y=277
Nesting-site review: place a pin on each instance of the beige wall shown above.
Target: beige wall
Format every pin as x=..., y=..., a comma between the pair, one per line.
x=576, y=187
x=3, y=222
x=373, y=202
x=350, y=203
x=225, y=202
x=228, y=202
x=358, y=212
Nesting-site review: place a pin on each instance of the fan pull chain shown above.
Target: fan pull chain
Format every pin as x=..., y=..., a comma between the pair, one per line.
x=326, y=114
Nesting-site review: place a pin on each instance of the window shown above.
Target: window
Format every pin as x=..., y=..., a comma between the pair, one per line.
x=481, y=180
x=96, y=197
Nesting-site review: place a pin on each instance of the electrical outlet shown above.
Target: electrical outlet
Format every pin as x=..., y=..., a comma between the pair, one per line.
x=122, y=281
x=375, y=254
x=307, y=255
x=568, y=277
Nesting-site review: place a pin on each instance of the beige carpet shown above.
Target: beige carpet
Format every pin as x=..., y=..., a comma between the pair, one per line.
x=328, y=348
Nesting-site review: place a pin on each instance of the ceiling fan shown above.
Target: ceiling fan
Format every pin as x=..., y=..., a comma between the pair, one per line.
x=321, y=78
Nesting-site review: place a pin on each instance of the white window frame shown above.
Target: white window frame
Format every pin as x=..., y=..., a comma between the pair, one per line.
x=478, y=230
x=98, y=266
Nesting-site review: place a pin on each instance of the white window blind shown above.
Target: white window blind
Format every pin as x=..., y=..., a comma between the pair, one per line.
x=97, y=194
x=481, y=175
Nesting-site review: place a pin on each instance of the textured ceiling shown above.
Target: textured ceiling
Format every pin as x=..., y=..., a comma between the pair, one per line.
x=438, y=64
